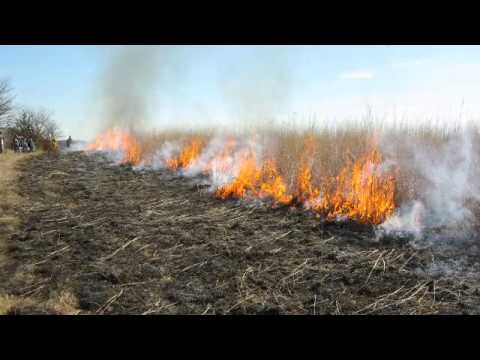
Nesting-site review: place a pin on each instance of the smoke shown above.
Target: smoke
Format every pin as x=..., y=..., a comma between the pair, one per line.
x=258, y=89
x=165, y=87
x=223, y=166
x=135, y=80
x=447, y=188
x=159, y=158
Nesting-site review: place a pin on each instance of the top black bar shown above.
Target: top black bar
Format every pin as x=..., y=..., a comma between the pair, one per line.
x=229, y=37
x=236, y=27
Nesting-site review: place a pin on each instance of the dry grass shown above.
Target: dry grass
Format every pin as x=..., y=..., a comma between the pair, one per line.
x=63, y=303
x=13, y=304
x=330, y=147
x=10, y=202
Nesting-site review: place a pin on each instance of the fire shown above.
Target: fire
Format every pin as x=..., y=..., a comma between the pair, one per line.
x=187, y=155
x=306, y=192
x=118, y=140
x=222, y=162
x=363, y=190
x=256, y=181
x=371, y=193
x=273, y=185
x=245, y=182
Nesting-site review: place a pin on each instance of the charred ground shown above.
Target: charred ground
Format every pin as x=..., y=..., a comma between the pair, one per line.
x=152, y=242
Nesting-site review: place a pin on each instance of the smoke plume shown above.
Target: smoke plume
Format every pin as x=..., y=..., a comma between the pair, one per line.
x=448, y=190
x=134, y=80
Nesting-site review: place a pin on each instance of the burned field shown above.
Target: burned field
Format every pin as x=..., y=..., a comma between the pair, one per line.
x=152, y=242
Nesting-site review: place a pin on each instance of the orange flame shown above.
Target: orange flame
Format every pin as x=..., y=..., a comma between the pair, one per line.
x=244, y=183
x=263, y=182
x=118, y=140
x=189, y=153
x=363, y=190
x=273, y=185
x=305, y=190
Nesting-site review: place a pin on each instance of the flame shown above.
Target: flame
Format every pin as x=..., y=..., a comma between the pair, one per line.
x=363, y=190
x=262, y=182
x=370, y=195
x=188, y=154
x=306, y=192
x=245, y=182
x=273, y=185
x=118, y=140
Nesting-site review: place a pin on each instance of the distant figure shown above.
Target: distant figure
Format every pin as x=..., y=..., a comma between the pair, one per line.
x=24, y=144
x=2, y=143
x=69, y=141
x=16, y=144
x=31, y=144
x=20, y=144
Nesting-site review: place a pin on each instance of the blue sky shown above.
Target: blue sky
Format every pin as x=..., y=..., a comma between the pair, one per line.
x=200, y=85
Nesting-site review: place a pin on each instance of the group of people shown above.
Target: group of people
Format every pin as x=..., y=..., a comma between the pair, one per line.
x=23, y=144
x=26, y=144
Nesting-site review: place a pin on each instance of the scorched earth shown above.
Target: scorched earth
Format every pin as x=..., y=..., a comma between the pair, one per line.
x=120, y=241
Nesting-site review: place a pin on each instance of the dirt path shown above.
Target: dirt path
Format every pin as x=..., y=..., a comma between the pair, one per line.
x=103, y=239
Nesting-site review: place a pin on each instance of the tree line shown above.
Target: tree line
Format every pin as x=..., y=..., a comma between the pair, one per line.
x=36, y=124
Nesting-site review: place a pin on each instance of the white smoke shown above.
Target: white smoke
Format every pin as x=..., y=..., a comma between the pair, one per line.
x=158, y=160
x=407, y=221
x=450, y=183
x=225, y=168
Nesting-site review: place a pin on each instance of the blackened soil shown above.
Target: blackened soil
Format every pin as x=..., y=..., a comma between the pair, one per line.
x=151, y=242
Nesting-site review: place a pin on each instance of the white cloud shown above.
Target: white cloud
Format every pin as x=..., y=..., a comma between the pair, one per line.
x=357, y=75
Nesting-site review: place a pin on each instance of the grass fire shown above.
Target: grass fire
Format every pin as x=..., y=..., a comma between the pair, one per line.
x=242, y=180
x=362, y=190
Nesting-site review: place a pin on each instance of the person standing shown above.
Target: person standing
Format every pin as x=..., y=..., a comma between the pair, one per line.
x=31, y=145
x=69, y=141
x=2, y=143
x=20, y=144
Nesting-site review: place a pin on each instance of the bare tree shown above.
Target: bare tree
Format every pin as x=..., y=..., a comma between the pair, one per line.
x=6, y=102
x=37, y=125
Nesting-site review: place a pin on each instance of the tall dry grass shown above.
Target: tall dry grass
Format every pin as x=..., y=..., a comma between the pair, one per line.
x=329, y=147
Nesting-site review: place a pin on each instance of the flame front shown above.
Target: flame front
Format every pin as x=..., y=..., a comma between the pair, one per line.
x=254, y=181
x=362, y=190
x=187, y=155
x=117, y=140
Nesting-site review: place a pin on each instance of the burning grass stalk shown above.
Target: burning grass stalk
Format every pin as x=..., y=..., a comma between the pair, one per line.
x=357, y=172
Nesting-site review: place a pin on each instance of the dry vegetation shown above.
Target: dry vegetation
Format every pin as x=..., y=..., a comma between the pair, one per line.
x=310, y=161
x=10, y=199
x=12, y=205
x=10, y=202
x=103, y=239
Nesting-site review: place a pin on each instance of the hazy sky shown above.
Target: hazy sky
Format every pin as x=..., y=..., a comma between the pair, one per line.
x=199, y=85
